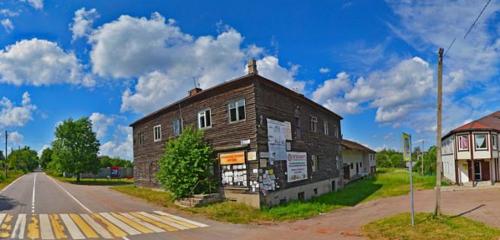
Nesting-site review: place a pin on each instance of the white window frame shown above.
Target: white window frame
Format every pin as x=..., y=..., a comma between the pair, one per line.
x=157, y=137
x=203, y=114
x=485, y=139
x=494, y=141
x=237, y=104
x=313, y=124
x=459, y=140
x=325, y=128
x=335, y=131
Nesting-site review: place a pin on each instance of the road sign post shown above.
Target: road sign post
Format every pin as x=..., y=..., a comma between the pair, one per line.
x=407, y=158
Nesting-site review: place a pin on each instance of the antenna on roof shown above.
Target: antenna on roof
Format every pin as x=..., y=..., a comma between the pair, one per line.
x=196, y=83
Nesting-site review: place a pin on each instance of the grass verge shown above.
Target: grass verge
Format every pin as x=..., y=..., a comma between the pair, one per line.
x=387, y=183
x=429, y=228
x=96, y=181
x=13, y=175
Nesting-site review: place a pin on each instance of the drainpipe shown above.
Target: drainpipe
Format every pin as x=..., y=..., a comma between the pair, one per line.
x=491, y=161
x=471, y=149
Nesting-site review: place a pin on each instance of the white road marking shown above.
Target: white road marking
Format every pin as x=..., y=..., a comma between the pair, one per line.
x=120, y=224
x=71, y=227
x=2, y=217
x=20, y=226
x=73, y=197
x=125, y=238
x=33, y=195
x=171, y=223
x=96, y=226
x=145, y=224
x=12, y=183
x=45, y=227
x=181, y=219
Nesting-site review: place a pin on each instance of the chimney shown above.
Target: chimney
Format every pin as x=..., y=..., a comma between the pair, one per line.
x=194, y=91
x=252, y=67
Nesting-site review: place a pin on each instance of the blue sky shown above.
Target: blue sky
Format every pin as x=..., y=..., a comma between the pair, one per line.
x=373, y=62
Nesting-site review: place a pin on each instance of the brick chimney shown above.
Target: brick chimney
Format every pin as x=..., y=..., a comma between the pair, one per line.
x=194, y=91
x=252, y=67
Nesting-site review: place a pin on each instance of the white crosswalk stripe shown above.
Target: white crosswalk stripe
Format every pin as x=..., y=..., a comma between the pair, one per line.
x=71, y=226
x=145, y=224
x=96, y=226
x=45, y=227
x=18, y=231
x=2, y=217
x=181, y=219
x=120, y=224
x=171, y=223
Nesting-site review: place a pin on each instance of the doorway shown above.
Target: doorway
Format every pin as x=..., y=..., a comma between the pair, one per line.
x=477, y=171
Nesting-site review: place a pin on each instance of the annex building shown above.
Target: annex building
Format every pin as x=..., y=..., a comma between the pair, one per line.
x=273, y=144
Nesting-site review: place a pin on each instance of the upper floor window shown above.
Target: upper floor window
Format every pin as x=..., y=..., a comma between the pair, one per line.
x=156, y=133
x=325, y=127
x=480, y=140
x=494, y=143
x=335, y=131
x=237, y=110
x=177, y=126
x=314, y=124
x=141, y=138
x=314, y=163
x=204, y=119
x=463, y=142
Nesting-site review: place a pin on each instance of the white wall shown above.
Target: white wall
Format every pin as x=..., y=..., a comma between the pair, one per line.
x=354, y=157
x=463, y=171
x=449, y=167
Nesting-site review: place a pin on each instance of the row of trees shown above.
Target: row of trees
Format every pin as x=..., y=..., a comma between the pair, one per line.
x=390, y=158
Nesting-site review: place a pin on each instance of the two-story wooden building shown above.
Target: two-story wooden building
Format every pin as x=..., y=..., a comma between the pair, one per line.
x=470, y=152
x=273, y=144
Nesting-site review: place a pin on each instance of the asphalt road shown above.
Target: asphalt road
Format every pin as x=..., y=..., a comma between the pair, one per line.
x=36, y=206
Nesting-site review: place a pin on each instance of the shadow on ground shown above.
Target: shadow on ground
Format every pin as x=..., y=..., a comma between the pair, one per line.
x=7, y=203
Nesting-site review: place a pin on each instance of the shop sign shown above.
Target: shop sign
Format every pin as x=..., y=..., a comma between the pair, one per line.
x=232, y=158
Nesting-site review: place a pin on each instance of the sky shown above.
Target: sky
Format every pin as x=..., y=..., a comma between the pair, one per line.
x=372, y=62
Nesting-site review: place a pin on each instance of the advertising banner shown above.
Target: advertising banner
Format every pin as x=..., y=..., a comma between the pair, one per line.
x=276, y=134
x=296, y=166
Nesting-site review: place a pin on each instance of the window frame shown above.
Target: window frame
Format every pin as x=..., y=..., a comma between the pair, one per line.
x=180, y=127
x=236, y=107
x=485, y=143
x=326, y=129
x=141, y=138
x=155, y=139
x=313, y=124
x=203, y=113
x=314, y=163
x=459, y=140
x=494, y=141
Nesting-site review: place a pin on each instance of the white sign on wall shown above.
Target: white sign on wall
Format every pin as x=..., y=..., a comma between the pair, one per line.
x=276, y=134
x=296, y=166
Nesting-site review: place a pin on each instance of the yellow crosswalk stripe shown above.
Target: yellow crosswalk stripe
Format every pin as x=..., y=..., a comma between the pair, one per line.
x=132, y=223
x=185, y=224
x=86, y=229
x=158, y=224
x=148, y=225
x=33, y=228
x=6, y=226
x=181, y=219
x=109, y=226
x=158, y=219
x=57, y=226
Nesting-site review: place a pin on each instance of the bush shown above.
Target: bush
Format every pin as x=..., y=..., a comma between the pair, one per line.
x=186, y=167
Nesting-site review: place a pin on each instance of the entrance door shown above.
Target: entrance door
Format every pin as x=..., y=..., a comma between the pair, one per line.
x=464, y=172
x=477, y=171
x=347, y=172
x=357, y=168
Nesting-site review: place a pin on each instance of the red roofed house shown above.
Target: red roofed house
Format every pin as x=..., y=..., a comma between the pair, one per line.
x=470, y=153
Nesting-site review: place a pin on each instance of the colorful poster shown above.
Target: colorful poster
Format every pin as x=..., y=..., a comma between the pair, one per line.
x=276, y=134
x=296, y=166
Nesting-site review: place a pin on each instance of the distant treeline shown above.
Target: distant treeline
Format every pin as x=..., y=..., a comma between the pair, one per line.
x=389, y=158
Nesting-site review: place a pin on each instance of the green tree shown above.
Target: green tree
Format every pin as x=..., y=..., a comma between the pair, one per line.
x=75, y=147
x=186, y=168
x=23, y=159
x=390, y=158
x=46, y=157
x=106, y=161
x=429, y=160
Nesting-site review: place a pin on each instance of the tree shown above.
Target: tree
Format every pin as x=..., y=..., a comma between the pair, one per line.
x=390, y=159
x=23, y=159
x=186, y=167
x=106, y=161
x=46, y=157
x=75, y=147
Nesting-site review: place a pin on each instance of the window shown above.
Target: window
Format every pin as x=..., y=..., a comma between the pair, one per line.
x=157, y=133
x=325, y=127
x=336, y=131
x=494, y=142
x=480, y=140
x=204, y=119
x=314, y=163
x=141, y=138
x=177, y=126
x=237, y=110
x=314, y=124
x=463, y=143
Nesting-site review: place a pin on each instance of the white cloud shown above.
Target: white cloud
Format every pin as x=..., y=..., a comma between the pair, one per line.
x=15, y=138
x=8, y=12
x=324, y=70
x=16, y=116
x=37, y=4
x=121, y=146
x=100, y=124
x=40, y=62
x=82, y=22
x=157, y=53
x=7, y=24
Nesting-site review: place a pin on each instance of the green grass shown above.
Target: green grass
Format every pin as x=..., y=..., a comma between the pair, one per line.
x=96, y=181
x=387, y=183
x=12, y=175
x=429, y=228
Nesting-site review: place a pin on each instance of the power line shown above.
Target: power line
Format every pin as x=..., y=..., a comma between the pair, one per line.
x=470, y=28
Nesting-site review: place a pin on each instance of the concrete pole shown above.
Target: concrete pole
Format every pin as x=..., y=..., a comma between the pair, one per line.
x=437, y=210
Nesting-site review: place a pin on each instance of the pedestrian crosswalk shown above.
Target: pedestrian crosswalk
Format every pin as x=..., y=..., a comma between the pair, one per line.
x=105, y=225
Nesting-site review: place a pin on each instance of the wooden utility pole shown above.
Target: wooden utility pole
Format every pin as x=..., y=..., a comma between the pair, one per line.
x=422, y=158
x=437, y=210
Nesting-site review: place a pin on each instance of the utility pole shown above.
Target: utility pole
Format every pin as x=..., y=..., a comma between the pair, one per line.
x=5, y=162
x=422, y=158
x=437, y=210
